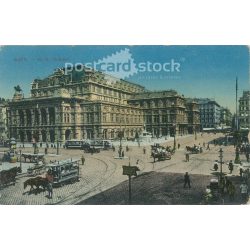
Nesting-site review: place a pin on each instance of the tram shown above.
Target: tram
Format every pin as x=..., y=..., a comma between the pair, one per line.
x=66, y=171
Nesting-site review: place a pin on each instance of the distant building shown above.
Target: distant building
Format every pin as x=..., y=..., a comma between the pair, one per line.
x=244, y=110
x=167, y=113
x=210, y=113
x=3, y=120
x=226, y=117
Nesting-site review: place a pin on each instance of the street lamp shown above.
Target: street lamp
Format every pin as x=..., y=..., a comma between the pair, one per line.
x=20, y=160
x=120, y=147
x=221, y=162
x=237, y=152
x=57, y=147
x=174, y=127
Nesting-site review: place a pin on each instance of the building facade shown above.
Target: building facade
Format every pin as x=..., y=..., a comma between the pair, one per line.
x=244, y=110
x=91, y=104
x=210, y=113
x=226, y=117
x=3, y=121
x=167, y=113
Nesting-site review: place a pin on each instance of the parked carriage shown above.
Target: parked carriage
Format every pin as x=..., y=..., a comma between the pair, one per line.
x=33, y=157
x=64, y=172
x=160, y=153
x=37, y=169
x=194, y=149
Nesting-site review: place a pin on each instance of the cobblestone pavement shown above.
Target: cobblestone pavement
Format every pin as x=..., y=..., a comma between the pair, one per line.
x=102, y=171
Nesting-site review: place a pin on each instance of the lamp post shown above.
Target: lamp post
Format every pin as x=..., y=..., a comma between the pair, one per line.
x=57, y=147
x=221, y=162
x=120, y=147
x=20, y=160
x=174, y=127
x=237, y=152
x=237, y=132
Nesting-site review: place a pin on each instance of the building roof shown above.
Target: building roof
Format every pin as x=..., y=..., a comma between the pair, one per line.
x=156, y=94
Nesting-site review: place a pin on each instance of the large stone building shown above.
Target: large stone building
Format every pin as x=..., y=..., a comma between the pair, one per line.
x=244, y=110
x=91, y=104
x=210, y=113
x=167, y=113
x=3, y=120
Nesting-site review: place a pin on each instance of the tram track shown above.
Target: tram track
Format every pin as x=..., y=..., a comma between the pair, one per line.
x=77, y=198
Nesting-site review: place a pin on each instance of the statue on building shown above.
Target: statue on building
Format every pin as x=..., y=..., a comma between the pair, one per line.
x=18, y=93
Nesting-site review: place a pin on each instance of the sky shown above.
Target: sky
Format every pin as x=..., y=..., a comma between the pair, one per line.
x=194, y=71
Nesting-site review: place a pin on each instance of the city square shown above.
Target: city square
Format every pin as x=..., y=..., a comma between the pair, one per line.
x=101, y=173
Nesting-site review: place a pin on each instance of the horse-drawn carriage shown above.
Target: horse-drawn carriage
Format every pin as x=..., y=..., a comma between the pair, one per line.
x=64, y=171
x=92, y=149
x=194, y=149
x=160, y=153
x=33, y=157
x=9, y=176
x=37, y=169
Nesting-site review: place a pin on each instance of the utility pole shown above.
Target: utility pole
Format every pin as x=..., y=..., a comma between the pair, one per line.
x=20, y=160
x=237, y=132
x=57, y=147
x=236, y=96
x=221, y=162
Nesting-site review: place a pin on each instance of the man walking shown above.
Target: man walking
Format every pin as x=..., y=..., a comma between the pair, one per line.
x=187, y=180
x=231, y=166
x=244, y=191
x=83, y=159
x=49, y=177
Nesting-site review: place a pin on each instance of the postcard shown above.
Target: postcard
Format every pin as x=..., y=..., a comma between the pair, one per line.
x=124, y=125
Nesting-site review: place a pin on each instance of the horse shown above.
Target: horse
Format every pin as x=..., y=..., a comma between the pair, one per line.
x=37, y=182
x=8, y=176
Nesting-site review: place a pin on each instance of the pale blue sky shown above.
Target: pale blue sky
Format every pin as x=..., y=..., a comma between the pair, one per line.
x=206, y=71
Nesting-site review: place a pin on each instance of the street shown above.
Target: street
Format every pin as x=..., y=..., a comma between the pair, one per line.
x=102, y=171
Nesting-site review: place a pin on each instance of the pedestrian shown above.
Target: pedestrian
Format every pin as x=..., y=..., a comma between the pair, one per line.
x=144, y=150
x=231, y=166
x=204, y=144
x=41, y=144
x=122, y=153
x=208, y=148
x=241, y=172
x=216, y=165
x=113, y=147
x=187, y=156
x=23, y=145
x=187, y=180
x=247, y=156
x=244, y=191
x=179, y=145
x=83, y=160
x=49, y=177
x=127, y=149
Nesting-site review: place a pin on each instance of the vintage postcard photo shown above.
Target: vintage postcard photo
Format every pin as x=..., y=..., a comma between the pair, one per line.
x=124, y=125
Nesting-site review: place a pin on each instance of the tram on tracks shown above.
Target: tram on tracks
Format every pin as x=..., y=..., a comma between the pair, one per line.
x=63, y=172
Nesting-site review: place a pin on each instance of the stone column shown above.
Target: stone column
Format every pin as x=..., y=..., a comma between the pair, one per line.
x=47, y=116
x=32, y=111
